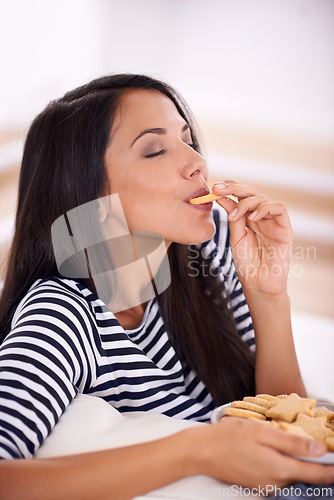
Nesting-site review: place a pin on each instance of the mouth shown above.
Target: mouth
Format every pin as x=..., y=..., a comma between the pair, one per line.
x=200, y=192
x=204, y=207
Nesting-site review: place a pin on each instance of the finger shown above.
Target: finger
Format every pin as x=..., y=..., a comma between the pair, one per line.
x=307, y=472
x=273, y=209
x=237, y=228
x=265, y=210
x=292, y=444
x=234, y=188
x=249, y=204
x=298, y=469
x=228, y=204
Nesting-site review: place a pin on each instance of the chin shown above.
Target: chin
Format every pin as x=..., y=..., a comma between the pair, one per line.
x=195, y=237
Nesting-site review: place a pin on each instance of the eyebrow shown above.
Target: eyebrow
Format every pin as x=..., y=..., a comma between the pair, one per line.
x=158, y=131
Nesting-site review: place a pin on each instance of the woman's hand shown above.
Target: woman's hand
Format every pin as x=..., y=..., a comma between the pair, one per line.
x=260, y=237
x=255, y=455
x=260, y=240
x=237, y=451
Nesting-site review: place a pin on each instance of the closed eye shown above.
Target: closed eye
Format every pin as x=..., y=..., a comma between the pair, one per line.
x=158, y=153
x=162, y=151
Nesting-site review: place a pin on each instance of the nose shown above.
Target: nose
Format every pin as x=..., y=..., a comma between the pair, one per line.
x=193, y=163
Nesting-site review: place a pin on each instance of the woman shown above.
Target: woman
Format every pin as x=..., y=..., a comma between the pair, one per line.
x=133, y=136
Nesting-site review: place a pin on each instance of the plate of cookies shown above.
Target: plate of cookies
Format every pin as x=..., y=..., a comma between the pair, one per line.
x=300, y=416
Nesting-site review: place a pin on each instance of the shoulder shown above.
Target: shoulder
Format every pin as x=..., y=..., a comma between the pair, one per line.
x=51, y=353
x=55, y=297
x=65, y=308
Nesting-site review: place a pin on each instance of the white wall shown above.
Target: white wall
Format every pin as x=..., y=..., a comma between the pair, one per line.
x=251, y=69
x=47, y=47
x=267, y=63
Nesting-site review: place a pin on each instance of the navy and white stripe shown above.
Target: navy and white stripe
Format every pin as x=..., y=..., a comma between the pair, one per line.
x=64, y=340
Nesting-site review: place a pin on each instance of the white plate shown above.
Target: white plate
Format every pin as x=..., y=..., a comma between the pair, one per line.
x=218, y=413
x=327, y=458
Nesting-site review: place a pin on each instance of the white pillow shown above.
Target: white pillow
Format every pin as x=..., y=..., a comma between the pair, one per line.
x=90, y=423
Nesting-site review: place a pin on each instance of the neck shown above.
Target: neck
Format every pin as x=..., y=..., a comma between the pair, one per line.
x=131, y=318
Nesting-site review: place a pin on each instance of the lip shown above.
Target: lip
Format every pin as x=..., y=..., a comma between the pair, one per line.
x=206, y=207
x=200, y=192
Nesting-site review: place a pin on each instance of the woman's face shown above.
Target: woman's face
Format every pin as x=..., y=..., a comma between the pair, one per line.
x=151, y=164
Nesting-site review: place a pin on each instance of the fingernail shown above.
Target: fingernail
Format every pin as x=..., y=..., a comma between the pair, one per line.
x=316, y=448
x=233, y=213
x=253, y=215
x=220, y=186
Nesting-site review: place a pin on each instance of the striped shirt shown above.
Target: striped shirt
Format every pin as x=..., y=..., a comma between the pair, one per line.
x=64, y=341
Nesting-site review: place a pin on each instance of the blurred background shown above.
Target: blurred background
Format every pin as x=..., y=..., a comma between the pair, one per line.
x=258, y=74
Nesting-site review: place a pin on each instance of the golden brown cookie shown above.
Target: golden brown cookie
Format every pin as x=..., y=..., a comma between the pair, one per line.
x=329, y=441
x=322, y=411
x=315, y=426
x=257, y=401
x=293, y=429
x=268, y=397
x=330, y=425
x=288, y=408
x=238, y=412
x=244, y=405
x=205, y=199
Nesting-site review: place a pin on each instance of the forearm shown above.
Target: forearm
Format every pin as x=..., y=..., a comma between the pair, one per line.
x=277, y=369
x=114, y=474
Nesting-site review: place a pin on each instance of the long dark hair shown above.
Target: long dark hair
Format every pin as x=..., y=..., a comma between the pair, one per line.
x=63, y=168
